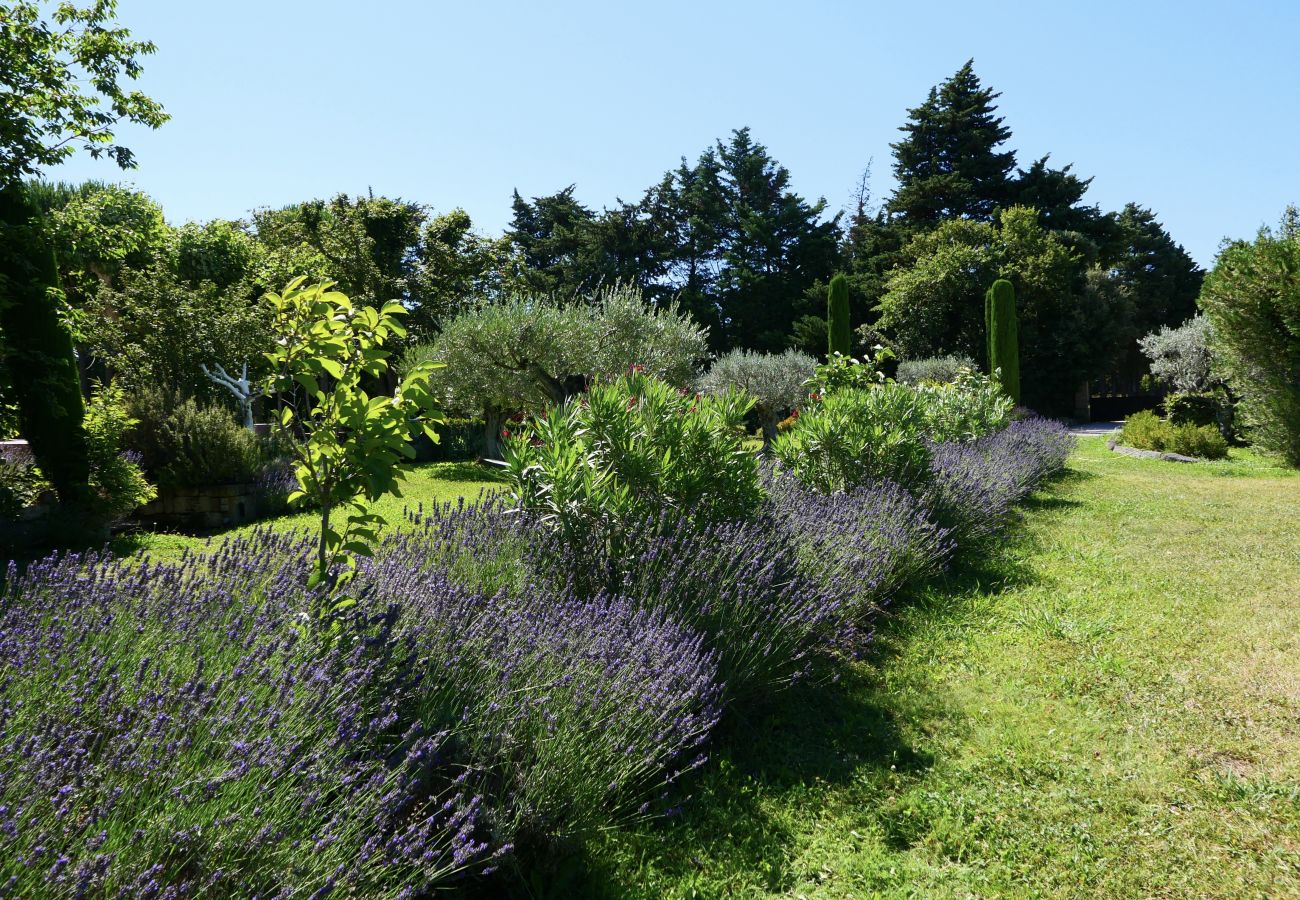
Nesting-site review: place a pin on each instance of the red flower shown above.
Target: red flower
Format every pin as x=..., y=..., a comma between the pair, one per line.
x=795, y=414
x=636, y=369
x=505, y=432
x=631, y=402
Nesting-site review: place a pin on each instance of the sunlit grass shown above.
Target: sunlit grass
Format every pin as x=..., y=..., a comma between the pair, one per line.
x=1108, y=707
x=428, y=484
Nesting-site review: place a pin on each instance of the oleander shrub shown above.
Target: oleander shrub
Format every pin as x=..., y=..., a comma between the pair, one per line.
x=165, y=731
x=971, y=406
x=627, y=449
x=933, y=369
x=855, y=436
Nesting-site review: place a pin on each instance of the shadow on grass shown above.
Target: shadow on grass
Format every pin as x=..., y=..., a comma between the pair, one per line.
x=835, y=727
x=844, y=725
x=468, y=471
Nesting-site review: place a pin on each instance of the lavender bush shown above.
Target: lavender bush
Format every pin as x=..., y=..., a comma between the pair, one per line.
x=975, y=486
x=875, y=538
x=575, y=713
x=164, y=732
x=738, y=583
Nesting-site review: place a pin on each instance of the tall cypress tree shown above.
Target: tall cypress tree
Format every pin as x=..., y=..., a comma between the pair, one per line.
x=36, y=354
x=837, y=316
x=948, y=164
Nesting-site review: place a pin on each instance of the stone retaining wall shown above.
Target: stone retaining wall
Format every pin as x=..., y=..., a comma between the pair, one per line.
x=201, y=508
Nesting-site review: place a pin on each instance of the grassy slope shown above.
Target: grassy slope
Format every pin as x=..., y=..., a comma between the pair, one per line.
x=1111, y=707
x=426, y=484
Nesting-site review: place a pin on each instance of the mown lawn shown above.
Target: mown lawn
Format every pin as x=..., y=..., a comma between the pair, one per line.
x=427, y=484
x=1109, y=705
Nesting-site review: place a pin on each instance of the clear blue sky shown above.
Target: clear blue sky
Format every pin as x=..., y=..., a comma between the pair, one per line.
x=1189, y=108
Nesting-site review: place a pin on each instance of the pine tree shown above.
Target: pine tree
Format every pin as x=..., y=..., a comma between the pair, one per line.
x=948, y=164
x=774, y=244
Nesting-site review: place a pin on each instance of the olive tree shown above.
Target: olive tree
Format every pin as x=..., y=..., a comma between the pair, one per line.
x=1180, y=357
x=523, y=353
x=776, y=381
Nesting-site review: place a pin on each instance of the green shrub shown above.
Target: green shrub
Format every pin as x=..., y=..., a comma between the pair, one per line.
x=628, y=449
x=458, y=440
x=972, y=406
x=853, y=436
x=933, y=369
x=1147, y=431
x=187, y=444
x=117, y=483
x=21, y=484
x=1202, y=441
x=1192, y=409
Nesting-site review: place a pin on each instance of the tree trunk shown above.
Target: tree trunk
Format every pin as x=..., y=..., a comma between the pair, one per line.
x=769, y=432
x=493, y=419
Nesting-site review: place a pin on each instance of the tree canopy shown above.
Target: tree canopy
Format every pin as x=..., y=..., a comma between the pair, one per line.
x=1068, y=317
x=61, y=86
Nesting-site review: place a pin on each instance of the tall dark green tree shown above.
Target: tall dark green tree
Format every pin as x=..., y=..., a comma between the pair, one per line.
x=68, y=79
x=949, y=163
x=551, y=234
x=38, y=360
x=774, y=245
x=840, y=337
x=1161, y=276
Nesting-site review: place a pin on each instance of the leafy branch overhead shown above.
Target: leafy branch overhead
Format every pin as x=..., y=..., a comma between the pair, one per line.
x=45, y=70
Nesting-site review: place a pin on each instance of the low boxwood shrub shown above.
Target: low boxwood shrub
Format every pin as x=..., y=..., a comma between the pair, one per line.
x=1146, y=431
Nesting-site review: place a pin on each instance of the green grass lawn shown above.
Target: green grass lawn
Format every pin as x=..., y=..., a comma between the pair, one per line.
x=431, y=483
x=1107, y=706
